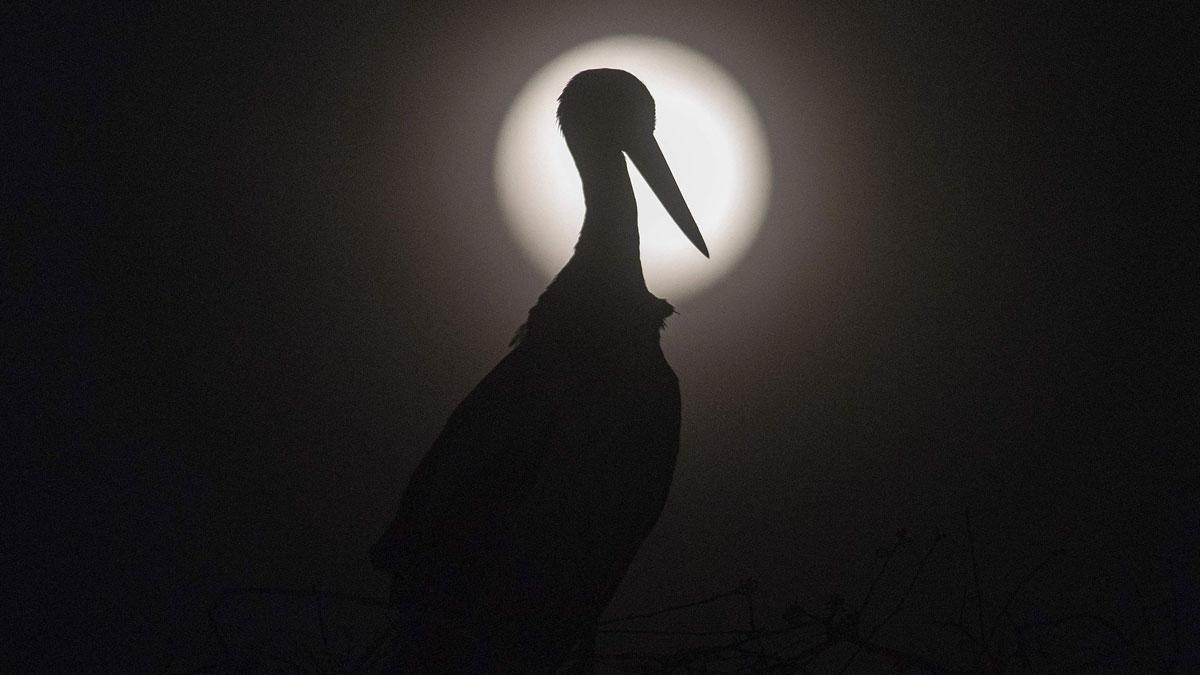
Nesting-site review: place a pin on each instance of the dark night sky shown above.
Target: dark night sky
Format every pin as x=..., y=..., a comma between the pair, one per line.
x=264, y=260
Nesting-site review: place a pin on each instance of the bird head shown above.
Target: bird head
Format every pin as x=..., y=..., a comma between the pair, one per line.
x=608, y=108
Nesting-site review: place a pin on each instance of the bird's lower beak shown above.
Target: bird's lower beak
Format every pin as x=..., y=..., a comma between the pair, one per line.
x=649, y=160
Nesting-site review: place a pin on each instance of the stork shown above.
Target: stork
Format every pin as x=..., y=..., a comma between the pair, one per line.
x=518, y=525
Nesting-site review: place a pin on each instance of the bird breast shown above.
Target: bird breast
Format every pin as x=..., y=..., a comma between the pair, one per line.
x=613, y=453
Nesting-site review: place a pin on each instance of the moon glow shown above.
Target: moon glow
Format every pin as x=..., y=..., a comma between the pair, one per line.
x=709, y=134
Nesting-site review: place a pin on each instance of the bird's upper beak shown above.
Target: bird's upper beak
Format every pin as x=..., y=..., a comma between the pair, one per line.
x=649, y=160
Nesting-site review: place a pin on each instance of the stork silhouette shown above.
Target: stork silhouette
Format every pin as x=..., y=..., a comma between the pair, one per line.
x=520, y=522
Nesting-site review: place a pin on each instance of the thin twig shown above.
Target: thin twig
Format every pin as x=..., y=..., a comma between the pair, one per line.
x=1045, y=562
x=674, y=608
x=878, y=575
x=981, y=648
x=907, y=591
x=685, y=633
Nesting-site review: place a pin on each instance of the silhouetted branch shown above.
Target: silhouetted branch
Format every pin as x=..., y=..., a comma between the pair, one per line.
x=980, y=649
x=907, y=591
x=668, y=610
x=792, y=642
x=1045, y=562
x=693, y=633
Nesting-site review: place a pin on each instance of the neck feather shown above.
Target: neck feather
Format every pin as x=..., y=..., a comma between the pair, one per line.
x=601, y=291
x=608, y=244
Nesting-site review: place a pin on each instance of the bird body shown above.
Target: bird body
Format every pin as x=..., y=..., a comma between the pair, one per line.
x=518, y=525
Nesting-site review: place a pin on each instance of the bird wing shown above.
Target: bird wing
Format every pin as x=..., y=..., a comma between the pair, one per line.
x=478, y=468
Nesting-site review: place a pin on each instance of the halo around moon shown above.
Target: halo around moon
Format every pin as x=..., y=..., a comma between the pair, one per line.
x=708, y=131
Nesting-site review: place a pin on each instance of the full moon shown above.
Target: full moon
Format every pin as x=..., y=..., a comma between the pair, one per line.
x=709, y=134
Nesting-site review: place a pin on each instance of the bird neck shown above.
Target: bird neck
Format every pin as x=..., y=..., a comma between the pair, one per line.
x=608, y=246
x=600, y=295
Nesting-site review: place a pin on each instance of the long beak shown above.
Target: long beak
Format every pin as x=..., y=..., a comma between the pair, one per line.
x=649, y=160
